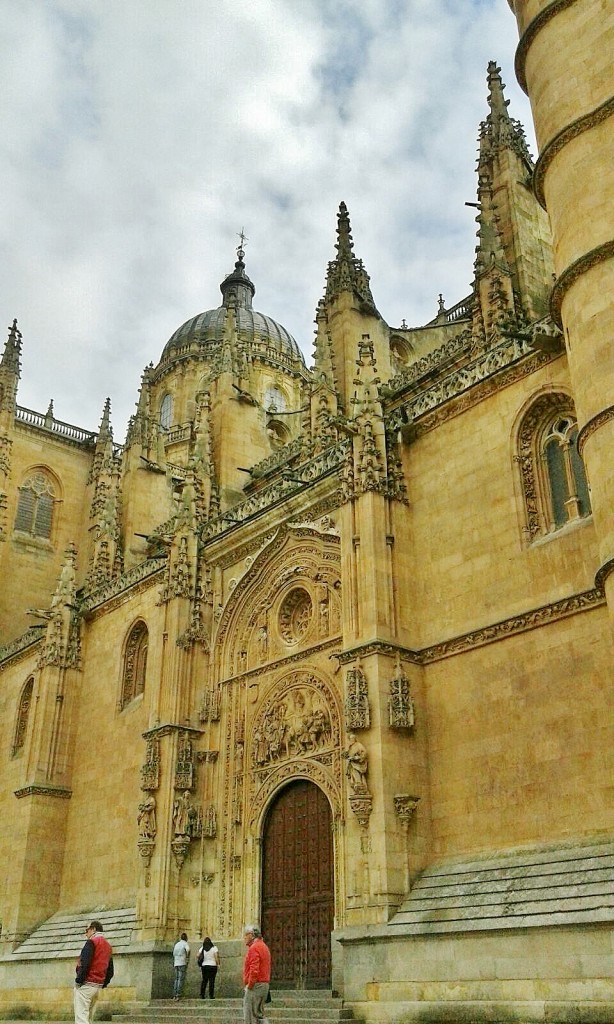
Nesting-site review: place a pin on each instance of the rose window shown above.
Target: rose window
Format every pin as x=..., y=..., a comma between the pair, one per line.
x=295, y=616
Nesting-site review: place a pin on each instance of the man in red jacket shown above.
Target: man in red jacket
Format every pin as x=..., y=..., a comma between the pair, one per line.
x=94, y=971
x=256, y=975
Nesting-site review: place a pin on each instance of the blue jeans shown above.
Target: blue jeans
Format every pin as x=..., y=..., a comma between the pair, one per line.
x=179, y=980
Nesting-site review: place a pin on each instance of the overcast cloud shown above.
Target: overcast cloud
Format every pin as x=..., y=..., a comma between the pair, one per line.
x=140, y=136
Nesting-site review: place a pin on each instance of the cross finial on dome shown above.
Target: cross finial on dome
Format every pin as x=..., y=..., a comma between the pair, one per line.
x=241, y=247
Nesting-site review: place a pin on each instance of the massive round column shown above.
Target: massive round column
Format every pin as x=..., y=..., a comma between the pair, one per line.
x=564, y=62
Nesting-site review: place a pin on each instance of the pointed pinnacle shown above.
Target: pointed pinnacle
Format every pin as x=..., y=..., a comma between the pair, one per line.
x=345, y=243
x=496, y=99
x=105, y=432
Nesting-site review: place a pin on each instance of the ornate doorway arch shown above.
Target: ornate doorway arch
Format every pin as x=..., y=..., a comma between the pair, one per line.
x=298, y=886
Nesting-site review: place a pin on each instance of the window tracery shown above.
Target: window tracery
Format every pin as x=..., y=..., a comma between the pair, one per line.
x=554, y=481
x=166, y=412
x=135, y=664
x=35, y=505
x=23, y=712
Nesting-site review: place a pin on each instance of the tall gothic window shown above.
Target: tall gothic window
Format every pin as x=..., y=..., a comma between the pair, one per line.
x=553, y=478
x=135, y=664
x=35, y=505
x=166, y=412
x=23, y=711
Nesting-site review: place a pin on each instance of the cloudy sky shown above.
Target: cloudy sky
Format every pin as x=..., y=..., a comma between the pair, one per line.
x=140, y=136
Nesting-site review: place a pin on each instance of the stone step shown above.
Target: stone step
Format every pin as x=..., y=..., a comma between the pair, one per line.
x=558, y=885
x=293, y=1007
x=64, y=934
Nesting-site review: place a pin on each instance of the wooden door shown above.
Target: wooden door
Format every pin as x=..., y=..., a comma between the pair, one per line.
x=297, y=887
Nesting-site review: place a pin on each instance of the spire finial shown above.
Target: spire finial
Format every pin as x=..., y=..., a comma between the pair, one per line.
x=345, y=242
x=105, y=432
x=346, y=272
x=12, y=349
x=500, y=131
x=241, y=246
x=496, y=99
x=236, y=288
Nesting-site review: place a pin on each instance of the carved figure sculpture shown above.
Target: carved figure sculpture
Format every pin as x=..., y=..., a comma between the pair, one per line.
x=183, y=813
x=146, y=819
x=357, y=765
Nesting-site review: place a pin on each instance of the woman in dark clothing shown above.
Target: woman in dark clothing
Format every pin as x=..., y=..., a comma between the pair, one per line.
x=209, y=960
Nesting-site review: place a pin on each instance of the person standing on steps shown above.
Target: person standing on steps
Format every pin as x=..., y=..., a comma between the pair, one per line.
x=94, y=972
x=256, y=975
x=208, y=961
x=181, y=958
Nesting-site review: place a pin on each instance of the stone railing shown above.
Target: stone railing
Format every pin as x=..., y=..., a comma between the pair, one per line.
x=306, y=473
x=45, y=422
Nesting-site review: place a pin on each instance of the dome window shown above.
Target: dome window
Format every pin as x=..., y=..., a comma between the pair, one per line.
x=166, y=412
x=274, y=401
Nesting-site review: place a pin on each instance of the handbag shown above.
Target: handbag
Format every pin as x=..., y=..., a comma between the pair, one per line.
x=200, y=958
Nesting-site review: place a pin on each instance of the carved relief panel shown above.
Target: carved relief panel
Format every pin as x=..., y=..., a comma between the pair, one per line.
x=295, y=733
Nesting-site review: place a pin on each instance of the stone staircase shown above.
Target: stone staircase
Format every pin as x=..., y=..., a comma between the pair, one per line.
x=287, y=1007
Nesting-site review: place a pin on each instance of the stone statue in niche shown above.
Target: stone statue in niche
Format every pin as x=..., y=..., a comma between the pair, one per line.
x=262, y=636
x=357, y=765
x=146, y=819
x=183, y=815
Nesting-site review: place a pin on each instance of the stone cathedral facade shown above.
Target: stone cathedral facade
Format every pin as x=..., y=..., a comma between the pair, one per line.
x=326, y=648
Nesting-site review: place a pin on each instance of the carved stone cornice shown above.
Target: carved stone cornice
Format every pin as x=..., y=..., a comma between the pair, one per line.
x=42, y=789
x=498, y=368
x=145, y=572
x=547, y=613
x=22, y=645
x=530, y=33
x=600, y=254
x=592, y=425
x=167, y=728
x=386, y=647
x=603, y=572
x=571, y=131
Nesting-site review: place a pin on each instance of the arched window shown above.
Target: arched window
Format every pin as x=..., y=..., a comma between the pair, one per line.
x=23, y=711
x=35, y=505
x=135, y=664
x=400, y=353
x=274, y=400
x=553, y=478
x=166, y=412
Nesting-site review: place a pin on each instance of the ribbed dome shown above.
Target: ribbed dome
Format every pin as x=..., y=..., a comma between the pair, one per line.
x=209, y=327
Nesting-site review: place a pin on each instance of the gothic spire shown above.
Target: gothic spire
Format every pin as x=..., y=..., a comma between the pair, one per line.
x=105, y=432
x=500, y=131
x=11, y=356
x=347, y=272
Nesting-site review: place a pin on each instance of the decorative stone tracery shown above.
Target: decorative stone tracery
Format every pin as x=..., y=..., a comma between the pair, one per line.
x=357, y=712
